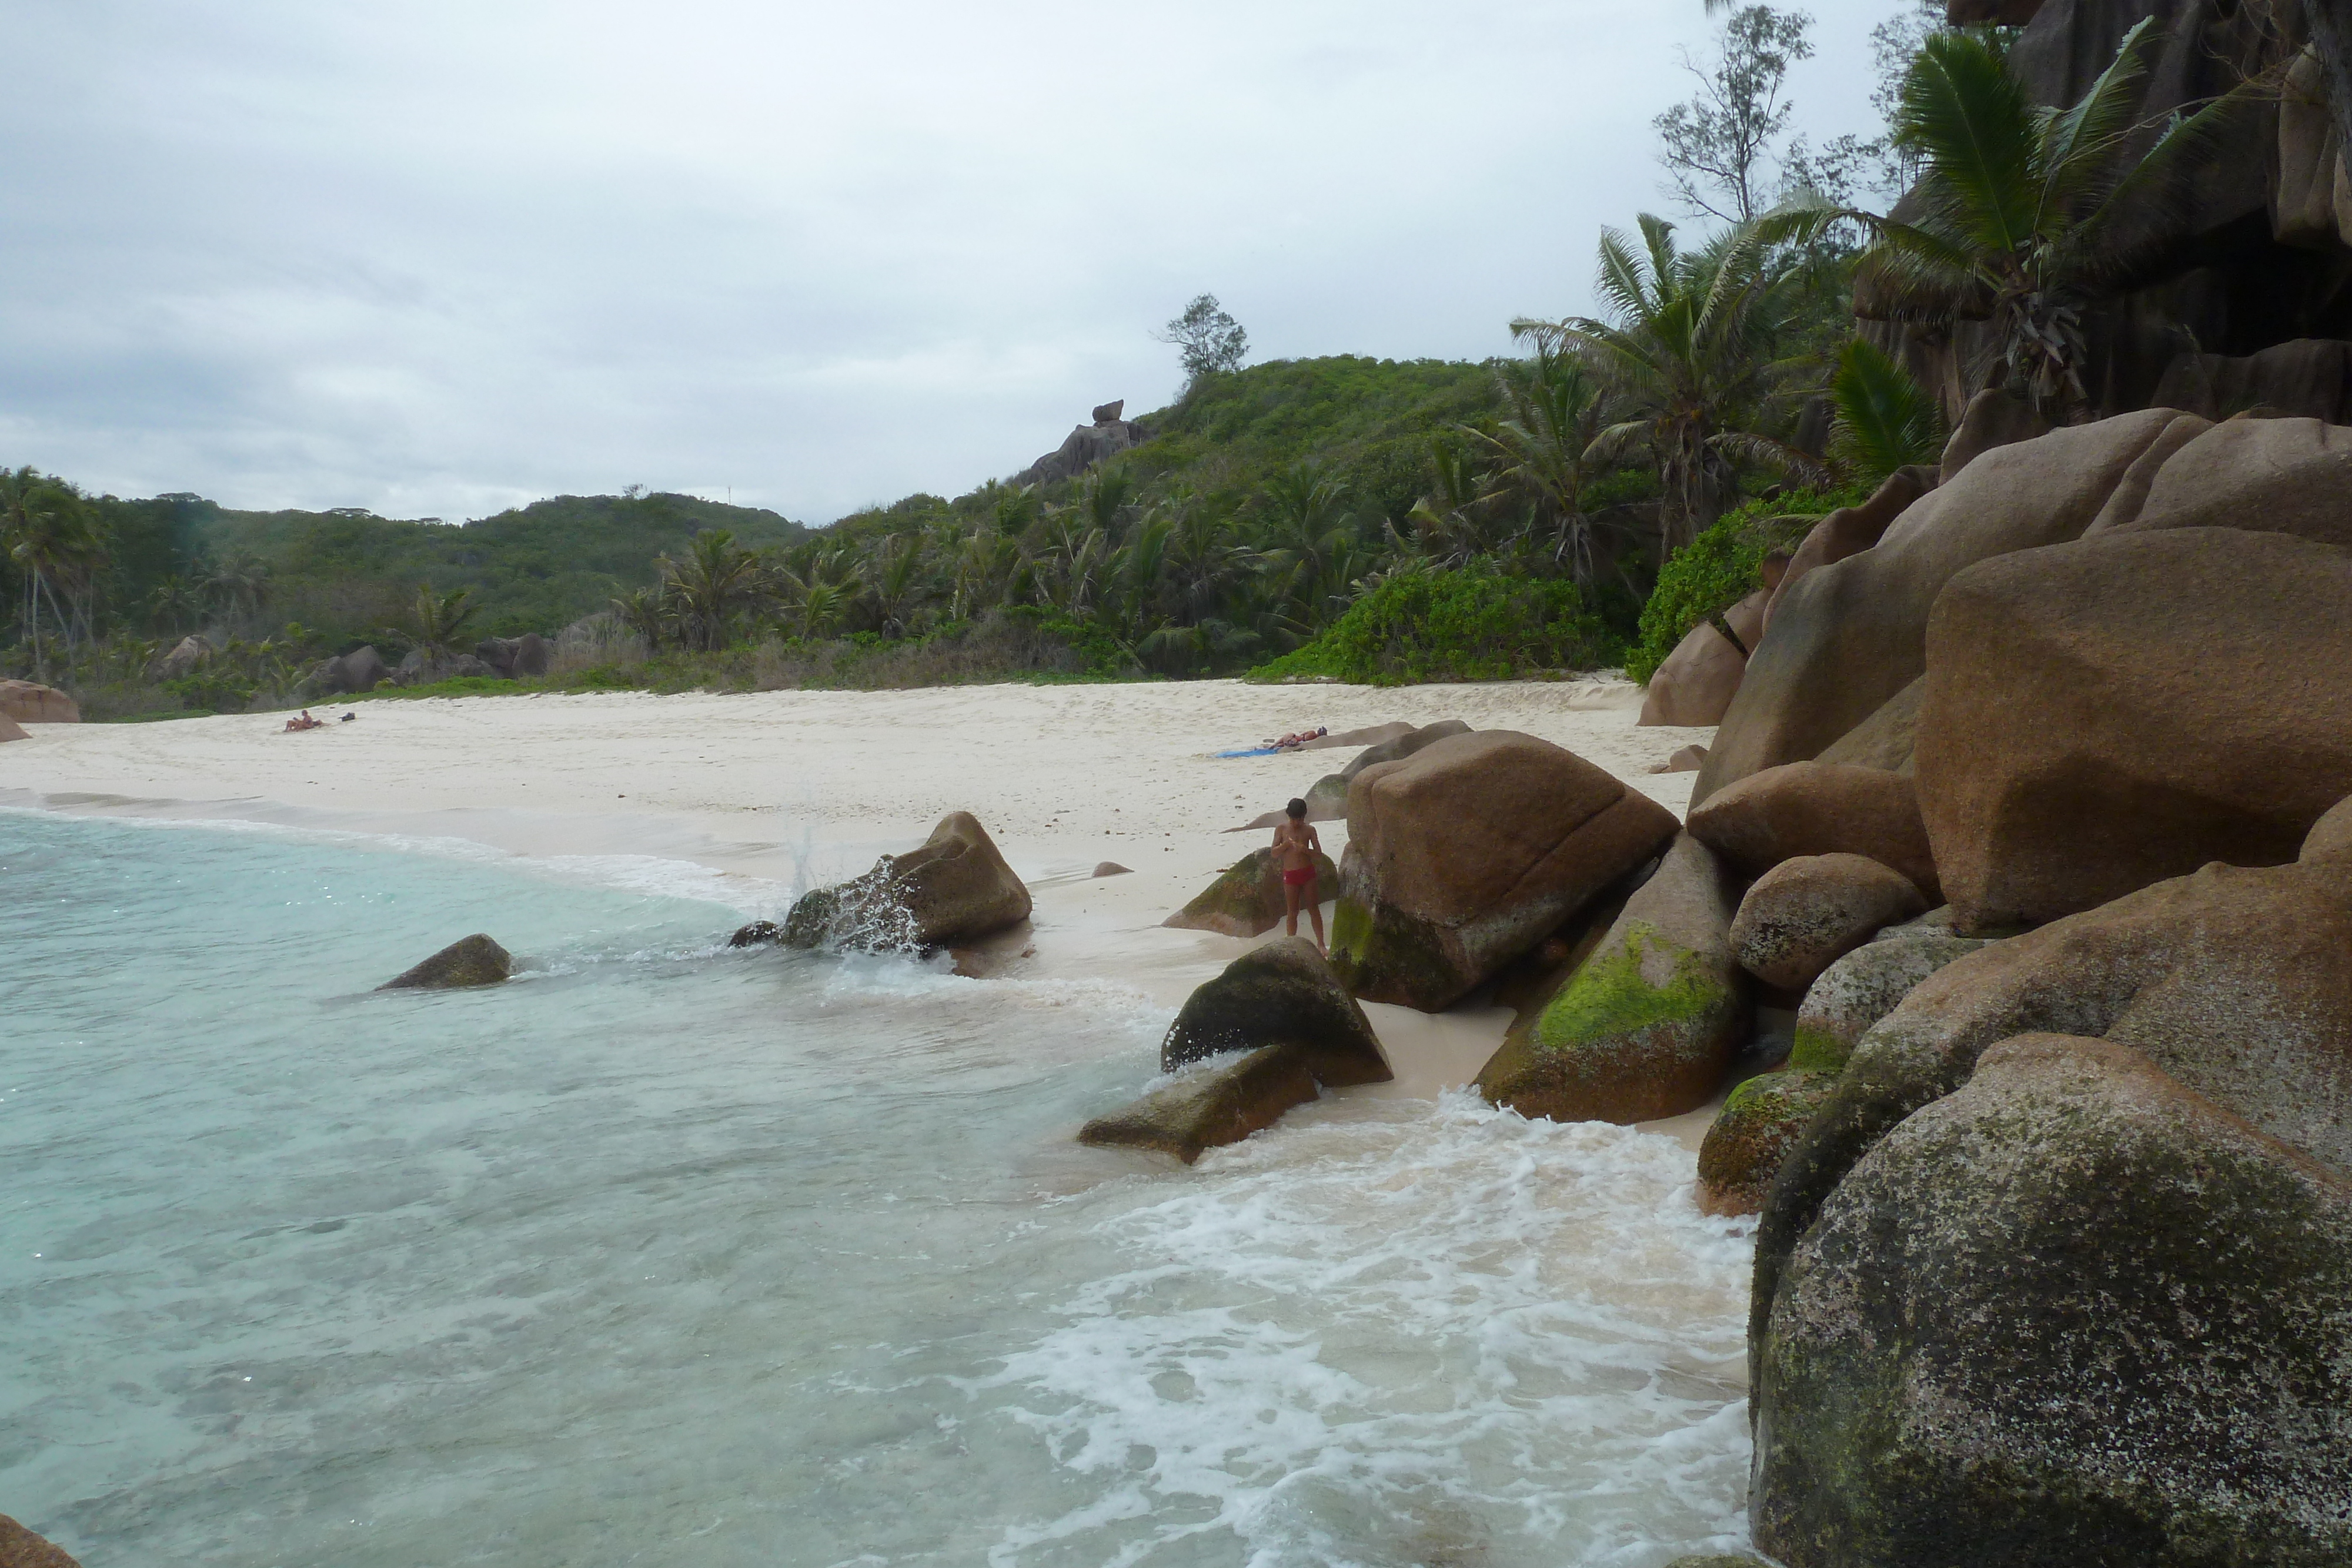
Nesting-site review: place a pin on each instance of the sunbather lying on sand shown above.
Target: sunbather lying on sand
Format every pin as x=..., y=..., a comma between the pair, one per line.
x=1292, y=742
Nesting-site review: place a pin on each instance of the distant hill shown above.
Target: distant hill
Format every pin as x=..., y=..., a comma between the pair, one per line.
x=348, y=573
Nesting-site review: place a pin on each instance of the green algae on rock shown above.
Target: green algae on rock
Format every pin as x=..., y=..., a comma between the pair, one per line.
x=474, y=961
x=2079, y=1312
x=1210, y=1107
x=1280, y=993
x=1757, y=1127
x=1648, y=1026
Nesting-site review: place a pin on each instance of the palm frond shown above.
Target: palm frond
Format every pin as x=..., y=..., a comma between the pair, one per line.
x=1884, y=420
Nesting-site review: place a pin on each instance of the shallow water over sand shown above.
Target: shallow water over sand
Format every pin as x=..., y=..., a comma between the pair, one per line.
x=669, y=1254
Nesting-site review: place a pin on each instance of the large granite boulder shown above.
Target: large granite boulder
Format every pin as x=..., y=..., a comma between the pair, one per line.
x=1248, y=899
x=957, y=885
x=2105, y=715
x=1470, y=851
x=1278, y=1025
x=1993, y=418
x=475, y=960
x=1648, y=1025
x=2330, y=836
x=1849, y=530
x=360, y=670
x=1284, y=994
x=185, y=656
x=1412, y=743
x=1848, y=636
x=1886, y=741
x=1756, y=1129
x=27, y=702
x=1819, y=809
x=2236, y=982
x=511, y=657
x=1806, y=913
x=20, y=1548
x=2273, y=475
x=1086, y=447
x=2076, y=1315
x=1695, y=684
x=11, y=730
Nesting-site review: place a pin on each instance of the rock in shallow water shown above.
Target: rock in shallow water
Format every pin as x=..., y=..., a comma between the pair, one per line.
x=1248, y=899
x=957, y=885
x=1282, y=993
x=1214, y=1106
x=2075, y=1314
x=475, y=961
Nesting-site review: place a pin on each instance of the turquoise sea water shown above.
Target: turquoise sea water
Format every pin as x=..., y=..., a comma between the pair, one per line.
x=667, y=1254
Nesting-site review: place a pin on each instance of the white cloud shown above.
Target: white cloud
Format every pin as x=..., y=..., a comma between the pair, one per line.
x=437, y=258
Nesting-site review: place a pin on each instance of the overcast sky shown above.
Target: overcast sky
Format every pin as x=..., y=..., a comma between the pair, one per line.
x=439, y=258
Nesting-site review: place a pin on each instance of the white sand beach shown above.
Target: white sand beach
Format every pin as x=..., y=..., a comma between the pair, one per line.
x=785, y=788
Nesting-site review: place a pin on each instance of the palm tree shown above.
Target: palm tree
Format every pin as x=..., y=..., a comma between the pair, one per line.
x=647, y=612
x=897, y=585
x=2029, y=213
x=1309, y=540
x=1883, y=419
x=436, y=620
x=1542, y=449
x=716, y=579
x=175, y=601
x=1688, y=352
x=53, y=540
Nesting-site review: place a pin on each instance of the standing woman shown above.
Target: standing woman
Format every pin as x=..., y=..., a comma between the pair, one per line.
x=1295, y=843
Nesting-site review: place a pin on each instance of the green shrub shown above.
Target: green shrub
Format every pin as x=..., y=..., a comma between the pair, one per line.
x=1720, y=568
x=1475, y=624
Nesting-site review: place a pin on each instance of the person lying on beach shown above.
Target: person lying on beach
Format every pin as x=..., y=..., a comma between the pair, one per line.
x=1292, y=742
x=306, y=722
x=1295, y=843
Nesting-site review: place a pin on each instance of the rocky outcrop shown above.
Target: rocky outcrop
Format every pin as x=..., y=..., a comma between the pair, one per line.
x=1248, y=899
x=474, y=961
x=29, y=703
x=1284, y=994
x=1852, y=994
x=2075, y=1313
x=956, y=886
x=1697, y=681
x=1648, y=1025
x=1086, y=447
x=1757, y=1127
x=1285, y=1025
x=514, y=657
x=1397, y=748
x=1849, y=636
x=1210, y=1107
x=185, y=655
x=2233, y=981
x=360, y=670
x=2308, y=378
x=20, y=1548
x=758, y=934
x=1818, y=809
x=2102, y=716
x=1806, y=913
x=1470, y=851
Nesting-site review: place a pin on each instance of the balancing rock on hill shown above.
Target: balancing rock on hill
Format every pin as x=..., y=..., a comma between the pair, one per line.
x=1806, y=913
x=1248, y=899
x=1649, y=1024
x=29, y=703
x=2075, y=1313
x=1695, y=684
x=1470, y=851
x=474, y=961
x=1086, y=445
x=1818, y=809
x=956, y=885
x=2105, y=715
x=1849, y=635
x=1289, y=1026
x=20, y=1548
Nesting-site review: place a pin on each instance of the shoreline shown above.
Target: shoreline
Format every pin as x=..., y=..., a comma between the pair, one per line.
x=776, y=791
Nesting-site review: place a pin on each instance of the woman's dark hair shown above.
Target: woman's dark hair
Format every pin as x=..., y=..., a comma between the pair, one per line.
x=1297, y=809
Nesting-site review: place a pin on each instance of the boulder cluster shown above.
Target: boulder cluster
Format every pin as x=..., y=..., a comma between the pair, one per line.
x=27, y=702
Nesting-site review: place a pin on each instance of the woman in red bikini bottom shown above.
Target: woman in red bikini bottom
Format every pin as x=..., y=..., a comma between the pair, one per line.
x=1295, y=843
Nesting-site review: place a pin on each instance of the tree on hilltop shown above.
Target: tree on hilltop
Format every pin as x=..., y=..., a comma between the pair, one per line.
x=1211, y=340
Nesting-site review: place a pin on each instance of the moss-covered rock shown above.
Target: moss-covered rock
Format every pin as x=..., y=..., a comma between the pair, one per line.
x=1282, y=993
x=1758, y=1125
x=1649, y=1023
x=475, y=961
x=954, y=887
x=1210, y=1107
x=2074, y=1315
x=1248, y=900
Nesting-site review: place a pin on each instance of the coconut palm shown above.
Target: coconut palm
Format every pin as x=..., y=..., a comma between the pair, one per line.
x=50, y=537
x=436, y=622
x=897, y=583
x=1884, y=420
x=1542, y=451
x=2028, y=214
x=238, y=587
x=1307, y=542
x=1688, y=352
x=715, y=581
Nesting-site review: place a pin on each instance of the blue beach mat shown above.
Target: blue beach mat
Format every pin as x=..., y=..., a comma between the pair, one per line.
x=1253, y=751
